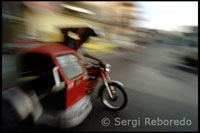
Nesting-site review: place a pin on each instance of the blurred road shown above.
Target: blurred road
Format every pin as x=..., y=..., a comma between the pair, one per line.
x=155, y=89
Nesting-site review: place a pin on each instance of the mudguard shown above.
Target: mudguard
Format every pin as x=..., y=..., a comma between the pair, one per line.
x=117, y=82
x=103, y=86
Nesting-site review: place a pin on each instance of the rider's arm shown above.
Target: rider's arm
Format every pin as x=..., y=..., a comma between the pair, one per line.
x=85, y=53
x=90, y=56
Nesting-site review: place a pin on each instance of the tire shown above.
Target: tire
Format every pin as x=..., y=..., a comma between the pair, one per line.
x=11, y=118
x=120, y=88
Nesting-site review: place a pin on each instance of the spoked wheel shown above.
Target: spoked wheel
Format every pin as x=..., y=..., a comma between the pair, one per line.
x=118, y=102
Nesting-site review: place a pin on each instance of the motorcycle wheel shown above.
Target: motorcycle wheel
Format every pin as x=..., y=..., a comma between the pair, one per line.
x=120, y=97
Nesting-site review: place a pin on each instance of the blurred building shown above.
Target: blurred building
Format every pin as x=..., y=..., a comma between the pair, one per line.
x=12, y=21
x=44, y=19
x=115, y=19
x=192, y=34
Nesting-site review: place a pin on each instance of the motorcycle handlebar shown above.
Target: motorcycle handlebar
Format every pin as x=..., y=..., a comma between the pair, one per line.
x=94, y=58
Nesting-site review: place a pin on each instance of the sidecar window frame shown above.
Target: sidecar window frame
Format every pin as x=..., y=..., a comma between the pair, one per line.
x=75, y=61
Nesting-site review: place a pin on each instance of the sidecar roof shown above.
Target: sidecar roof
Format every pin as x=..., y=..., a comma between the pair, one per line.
x=50, y=49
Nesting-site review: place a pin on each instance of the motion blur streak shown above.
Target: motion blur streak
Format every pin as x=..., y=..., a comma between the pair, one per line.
x=157, y=65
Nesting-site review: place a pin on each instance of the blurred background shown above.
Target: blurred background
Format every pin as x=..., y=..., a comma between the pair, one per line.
x=152, y=47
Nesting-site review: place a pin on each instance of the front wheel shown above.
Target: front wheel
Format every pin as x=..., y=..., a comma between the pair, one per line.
x=120, y=97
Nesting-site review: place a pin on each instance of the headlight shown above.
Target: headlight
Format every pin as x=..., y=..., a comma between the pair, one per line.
x=107, y=67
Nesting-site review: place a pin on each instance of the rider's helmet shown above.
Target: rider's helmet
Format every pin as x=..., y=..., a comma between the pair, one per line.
x=83, y=33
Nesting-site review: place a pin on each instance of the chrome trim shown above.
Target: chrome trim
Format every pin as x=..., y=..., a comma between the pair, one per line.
x=107, y=87
x=117, y=82
x=109, y=105
x=56, y=76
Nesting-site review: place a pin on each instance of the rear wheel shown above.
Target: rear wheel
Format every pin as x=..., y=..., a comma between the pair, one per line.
x=11, y=120
x=120, y=97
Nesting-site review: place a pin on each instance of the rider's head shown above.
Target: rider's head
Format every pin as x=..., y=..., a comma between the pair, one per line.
x=84, y=33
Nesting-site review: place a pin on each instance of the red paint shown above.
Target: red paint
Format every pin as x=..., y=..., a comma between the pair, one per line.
x=92, y=84
x=77, y=92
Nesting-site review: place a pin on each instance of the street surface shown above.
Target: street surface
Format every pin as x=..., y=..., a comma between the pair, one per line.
x=155, y=88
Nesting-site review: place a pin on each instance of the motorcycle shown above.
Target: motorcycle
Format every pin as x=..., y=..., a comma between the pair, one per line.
x=53, y=85
x=111, y=92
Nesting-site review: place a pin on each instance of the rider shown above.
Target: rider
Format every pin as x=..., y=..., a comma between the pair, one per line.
x=83, y=35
